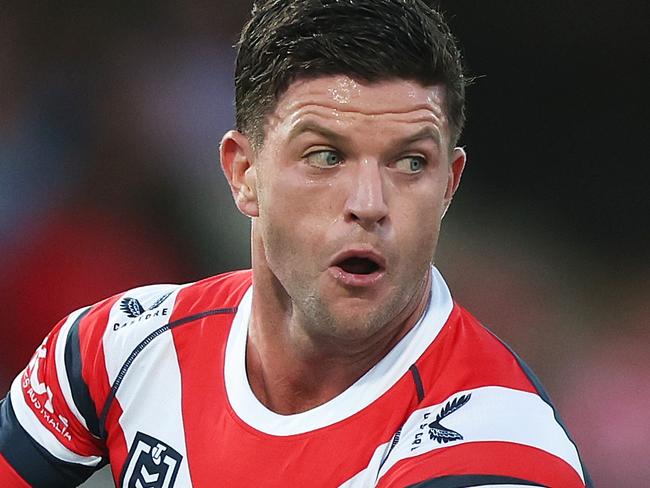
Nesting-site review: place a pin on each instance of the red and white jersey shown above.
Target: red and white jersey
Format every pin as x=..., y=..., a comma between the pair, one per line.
x=154, y=380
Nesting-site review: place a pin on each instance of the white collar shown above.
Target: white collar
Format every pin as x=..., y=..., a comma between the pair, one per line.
x=379, y=379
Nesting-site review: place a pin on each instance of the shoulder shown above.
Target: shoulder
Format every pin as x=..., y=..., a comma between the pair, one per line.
x=101, y=342
x=466, y=355
x=487, y=432
x=87, y=351
x=112, y=331
x=140, y=311
x=483, y=418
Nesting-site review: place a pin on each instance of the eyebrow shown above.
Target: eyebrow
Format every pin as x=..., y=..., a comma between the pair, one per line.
x=428, y=132
x=311, y=126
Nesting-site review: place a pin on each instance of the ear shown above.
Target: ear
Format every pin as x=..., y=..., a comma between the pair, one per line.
x=456, y=167
x=237, y=158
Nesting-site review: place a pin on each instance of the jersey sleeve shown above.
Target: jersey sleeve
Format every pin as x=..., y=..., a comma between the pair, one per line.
x=49, y=435
x=487, y=437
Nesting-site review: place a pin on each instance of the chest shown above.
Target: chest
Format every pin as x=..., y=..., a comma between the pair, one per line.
x=173, y=425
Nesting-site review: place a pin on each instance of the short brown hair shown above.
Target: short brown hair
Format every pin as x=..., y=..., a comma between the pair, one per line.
x=370, y=40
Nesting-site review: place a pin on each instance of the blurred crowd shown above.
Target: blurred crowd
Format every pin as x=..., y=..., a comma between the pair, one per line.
x=110, y=119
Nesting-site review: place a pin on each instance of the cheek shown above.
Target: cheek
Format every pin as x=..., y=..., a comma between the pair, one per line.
x=296, y=201
x=289, y=222
x=417, y=229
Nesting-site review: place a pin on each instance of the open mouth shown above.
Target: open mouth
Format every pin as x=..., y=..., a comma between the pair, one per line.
x=358, y=265
x=358, y=268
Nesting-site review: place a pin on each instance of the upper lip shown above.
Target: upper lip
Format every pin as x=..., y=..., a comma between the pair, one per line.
x=361, y=252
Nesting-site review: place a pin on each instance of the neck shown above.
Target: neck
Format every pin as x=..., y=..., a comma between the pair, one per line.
x=291, y=371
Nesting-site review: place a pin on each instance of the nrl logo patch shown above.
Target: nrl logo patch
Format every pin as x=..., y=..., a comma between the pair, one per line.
x=151, y=464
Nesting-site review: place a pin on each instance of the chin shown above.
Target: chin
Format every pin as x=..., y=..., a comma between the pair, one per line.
x=351, y=333
x=361, y=325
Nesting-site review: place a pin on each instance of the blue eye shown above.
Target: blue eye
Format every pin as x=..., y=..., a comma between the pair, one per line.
x=411, y=164
x=324, y=159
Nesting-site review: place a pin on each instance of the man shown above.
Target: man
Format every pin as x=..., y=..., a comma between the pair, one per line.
x=341, y=359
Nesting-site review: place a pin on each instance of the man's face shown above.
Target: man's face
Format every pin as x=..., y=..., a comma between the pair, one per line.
x=352, y=182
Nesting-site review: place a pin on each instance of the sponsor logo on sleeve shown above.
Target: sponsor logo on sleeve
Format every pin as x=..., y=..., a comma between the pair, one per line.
x=39, y=396
x=434, y=430
x=134, y=310
x=151, y=464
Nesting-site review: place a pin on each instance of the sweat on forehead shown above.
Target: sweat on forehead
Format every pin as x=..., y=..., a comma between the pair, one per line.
x=343, y=94
x=370, y=40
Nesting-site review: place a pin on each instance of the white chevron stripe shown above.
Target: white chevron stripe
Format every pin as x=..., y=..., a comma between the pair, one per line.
x=151, y=392
x=493, y=413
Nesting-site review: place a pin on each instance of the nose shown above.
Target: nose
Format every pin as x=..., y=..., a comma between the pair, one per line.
x=366, y=202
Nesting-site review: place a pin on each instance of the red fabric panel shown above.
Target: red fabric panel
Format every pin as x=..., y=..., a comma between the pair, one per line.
x=116, y=442
x=91, y=333
x=95, y=375
x=202, y=367
x=465, y=355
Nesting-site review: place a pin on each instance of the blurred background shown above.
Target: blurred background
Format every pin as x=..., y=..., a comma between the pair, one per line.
x=110, y=119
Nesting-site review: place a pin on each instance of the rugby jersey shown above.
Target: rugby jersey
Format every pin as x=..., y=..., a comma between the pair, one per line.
x=154, y=380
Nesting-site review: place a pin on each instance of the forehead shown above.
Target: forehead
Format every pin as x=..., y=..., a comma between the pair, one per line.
x=343, y=98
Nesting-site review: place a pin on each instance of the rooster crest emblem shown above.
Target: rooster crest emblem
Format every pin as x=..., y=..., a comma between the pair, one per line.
x=133, y=308
x=440, y=433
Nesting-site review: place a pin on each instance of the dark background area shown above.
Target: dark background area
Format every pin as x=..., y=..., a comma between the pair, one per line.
x=559, y=110
x=110, y=119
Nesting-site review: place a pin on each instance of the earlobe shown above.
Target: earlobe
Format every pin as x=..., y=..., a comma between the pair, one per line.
x=237, y=162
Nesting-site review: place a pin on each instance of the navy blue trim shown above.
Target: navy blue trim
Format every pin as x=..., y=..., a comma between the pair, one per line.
x=393, y=443
x=541, y=391
x=417, y=379
x=467, y=480
x=140, y=347
x=80, y=393
x=31, y=461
